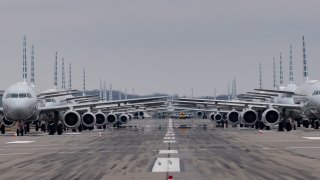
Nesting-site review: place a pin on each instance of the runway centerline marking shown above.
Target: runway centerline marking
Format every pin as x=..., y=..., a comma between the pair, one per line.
x=169, y=141
x=19, y=142
x=312, y=138
x=166, y=165
x=168, y=152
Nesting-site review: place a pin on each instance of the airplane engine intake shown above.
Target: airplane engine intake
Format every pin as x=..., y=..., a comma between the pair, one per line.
x=7, y=123
x=218, y=117
x=211, y=116
x=101, y=119
x=88, y=119
x=111, y=119
x=248, y=117
x=123, y=119
x=71, y=119
x=233, y=117
x=270, y=117
x=200, y=113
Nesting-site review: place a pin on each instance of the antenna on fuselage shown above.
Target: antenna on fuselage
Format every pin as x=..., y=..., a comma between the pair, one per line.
x=84, y=82
x=24, y=59
x=55, y=73
x=290, y=66
x=70, y=76
x=274, y=74
x=63, y=78
x=305, y=64
x=32, y=66
x=281, y=70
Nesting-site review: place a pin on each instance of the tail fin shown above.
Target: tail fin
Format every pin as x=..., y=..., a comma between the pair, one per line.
x=24, y=59
x=305, y=63
x=32, y=67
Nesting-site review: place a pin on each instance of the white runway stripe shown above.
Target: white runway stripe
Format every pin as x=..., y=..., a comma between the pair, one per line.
x=19, y=142
x=169, y=141
x=168, y=152
x=312, y=138
x=166, y=165
x=168, y=138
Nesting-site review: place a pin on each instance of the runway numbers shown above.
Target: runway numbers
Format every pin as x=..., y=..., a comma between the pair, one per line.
x=19, y=142
x=166, y=165
x=312, y=138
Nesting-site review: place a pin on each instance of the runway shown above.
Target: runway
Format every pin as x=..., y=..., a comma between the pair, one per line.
x=154, y=149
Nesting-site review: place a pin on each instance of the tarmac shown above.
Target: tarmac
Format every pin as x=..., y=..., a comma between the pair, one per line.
x=158, y=148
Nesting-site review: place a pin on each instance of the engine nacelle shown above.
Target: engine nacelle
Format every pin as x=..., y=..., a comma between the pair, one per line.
x=218, y=117
x=88, y=119
x=71, y=119
x=136, y=114
x=123, y=119
x=199, y=113
x=270, y=117
x=101, y=119
x=248, y=117
x=7, y=123
x=233, y=117
x=211, y=116
x=141, y=113
x=130, y=117
x=111, y=118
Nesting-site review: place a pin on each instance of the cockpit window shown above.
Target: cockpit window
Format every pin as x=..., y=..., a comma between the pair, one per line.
x=8, y=95
x=14, y=95
x=29, y=95
x=22, y=95
x=316, y=92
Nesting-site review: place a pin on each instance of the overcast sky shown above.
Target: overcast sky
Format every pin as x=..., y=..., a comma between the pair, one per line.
x=160, y=45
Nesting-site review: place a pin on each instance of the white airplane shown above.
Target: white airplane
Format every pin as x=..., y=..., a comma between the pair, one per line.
x=306, y=101
x=21, y=104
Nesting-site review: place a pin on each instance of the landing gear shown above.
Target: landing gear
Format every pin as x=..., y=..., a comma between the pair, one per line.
x=21, y=128
x=288, y=126
x=51, y=128
x=43, y=127
x=3, y=129
x=305, y=123
x=281, y=126
x=80, y=128
x=60, y=129
x=316, y=124
x=37, y=127
x=27, y=128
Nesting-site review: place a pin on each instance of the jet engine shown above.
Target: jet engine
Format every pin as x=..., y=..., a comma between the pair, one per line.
x=124, y=119
x=111, y=118
x=200, y=113
x=141, y=113
x=218, y=117
x=7, y=123
x=88, y=119
x=270, y=117
x=248, y=117
x=101, y=119
x=233, y=117
x=211, y=116
x=71, y=119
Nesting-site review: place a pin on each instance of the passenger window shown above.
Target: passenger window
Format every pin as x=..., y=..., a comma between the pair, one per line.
x=14, y=95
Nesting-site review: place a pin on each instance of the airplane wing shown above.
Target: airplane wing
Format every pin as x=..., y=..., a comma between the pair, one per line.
x=244, y=104
x=95, y=104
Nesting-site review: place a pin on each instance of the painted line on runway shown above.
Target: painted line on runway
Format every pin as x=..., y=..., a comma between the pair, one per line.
x=166, y=165
x=16, y=154
x=73, y=133
x=312, y=138
x=169, y=141
x=19, y=142
x=168, y=152
x=169, y=138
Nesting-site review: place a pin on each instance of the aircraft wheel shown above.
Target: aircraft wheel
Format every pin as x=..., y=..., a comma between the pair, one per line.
x=104, y=126
x=306, y=123
x=60, y=129
x=280, y=127
x=27, y=128
x=17, y=132
x=3, y=129
x=80, y=128
x=51, y=128
x=43, y=127
x=21, y=132
x=316, y=124
x=37, y=127
x=288, y=126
